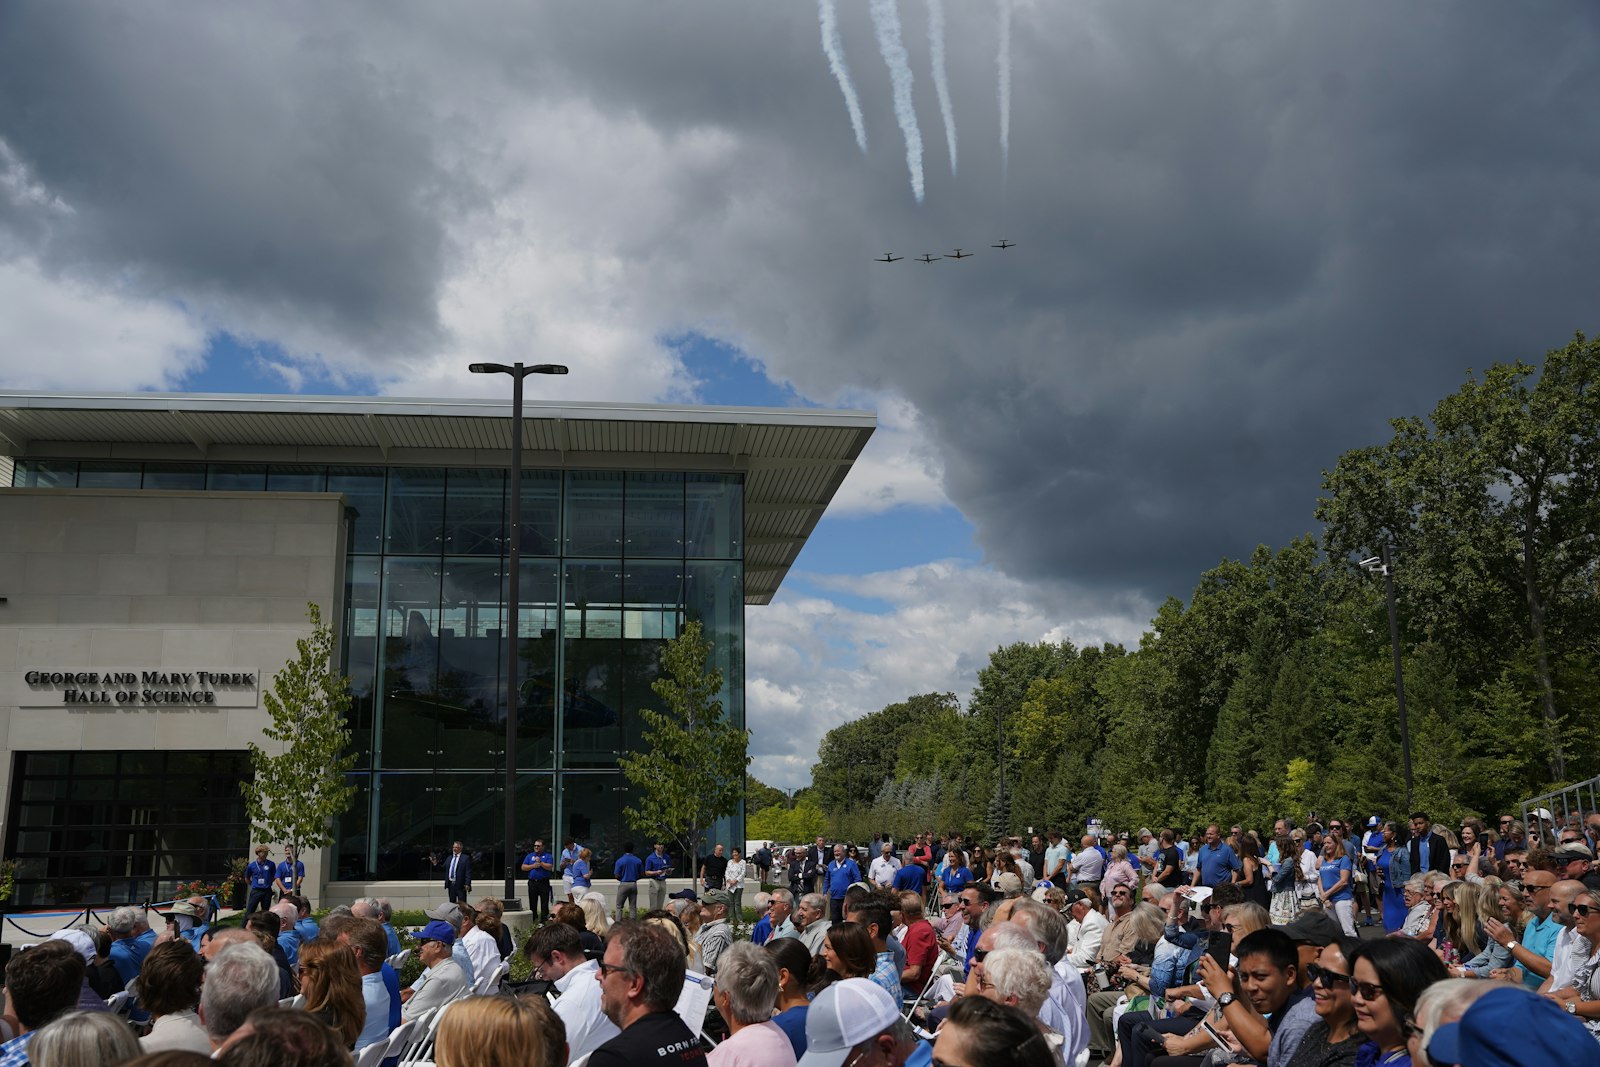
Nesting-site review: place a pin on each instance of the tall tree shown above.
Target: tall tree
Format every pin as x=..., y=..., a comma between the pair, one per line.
x=1496, y=503
x=300, y=790
x=690, y=770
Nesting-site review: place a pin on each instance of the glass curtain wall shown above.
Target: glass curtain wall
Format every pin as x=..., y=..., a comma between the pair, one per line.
x=613, y=563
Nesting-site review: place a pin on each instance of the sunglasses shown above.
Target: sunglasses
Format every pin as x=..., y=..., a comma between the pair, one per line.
x=1366, y=990
x=951, y=904
x=1581, y=910
x=1230, y=927
x=607, y=968
x=1326, y=978
x=979, y=953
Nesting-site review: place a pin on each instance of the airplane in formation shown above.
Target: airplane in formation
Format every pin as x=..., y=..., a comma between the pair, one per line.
x=926, y=258
x=889, y=257
x=1004, y=244
x=958, y=254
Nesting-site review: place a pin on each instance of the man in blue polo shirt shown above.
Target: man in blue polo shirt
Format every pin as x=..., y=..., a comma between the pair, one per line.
x=132, y=940
x=539, y=865
x=842, y=874
x=657, y=867
x=260, y=874
x=291, y=873
x=910, y=878
x=627, y=870
x=1532, y=955
x=1217, y=863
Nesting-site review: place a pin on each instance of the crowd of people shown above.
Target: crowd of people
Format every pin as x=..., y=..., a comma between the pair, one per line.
x=1334, y=943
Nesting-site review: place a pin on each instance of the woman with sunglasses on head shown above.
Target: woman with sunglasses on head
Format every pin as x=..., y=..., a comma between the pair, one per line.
x=1582, y=997
x=1334, y=1038
x=1386, y=978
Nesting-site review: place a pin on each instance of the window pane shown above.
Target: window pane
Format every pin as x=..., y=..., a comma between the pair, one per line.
x=108, y=475
x=45, y=474
x=541, y=513
x=363, y=494
x=538, y=612
x=653, y=515
x=594, y=513
x=592, y=664
x=175, y=476
x=360, y=631
x=472, y=729
x=714, y=595
x=408, y=705
x=474, y=519
x=715, y=516
x=654, y=595
x=296, y=479
x=243, y=479
x=415, y=522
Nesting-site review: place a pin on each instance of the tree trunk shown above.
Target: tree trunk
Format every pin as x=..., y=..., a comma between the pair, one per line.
x=1541, y=661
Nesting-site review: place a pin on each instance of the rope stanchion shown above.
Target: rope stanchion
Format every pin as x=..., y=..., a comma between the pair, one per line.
x=88, y=915
x=73, y=921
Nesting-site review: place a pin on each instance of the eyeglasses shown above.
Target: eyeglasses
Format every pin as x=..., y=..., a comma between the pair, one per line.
x=1366, y=990
x=1326, y=978
x=978, y=954
x=607, y=968
x=1507, y=822
x=1581, y=910
x=1121, y=893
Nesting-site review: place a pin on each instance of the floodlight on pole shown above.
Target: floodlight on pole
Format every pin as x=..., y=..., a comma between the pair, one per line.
x=518, y=371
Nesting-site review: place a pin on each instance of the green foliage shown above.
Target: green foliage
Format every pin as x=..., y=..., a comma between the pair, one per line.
x=690, y=770
x=1271, y=692
x=758, y=794
x=298, y=792
x=785, y=825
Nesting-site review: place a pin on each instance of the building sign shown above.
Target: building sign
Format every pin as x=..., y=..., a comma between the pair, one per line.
x=198, y=690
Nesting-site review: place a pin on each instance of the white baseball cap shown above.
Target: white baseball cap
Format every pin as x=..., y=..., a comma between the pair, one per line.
x=842, y=1016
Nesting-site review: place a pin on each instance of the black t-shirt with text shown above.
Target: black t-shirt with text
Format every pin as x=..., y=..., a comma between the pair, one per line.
x=657, y=1038
x=1171, y=857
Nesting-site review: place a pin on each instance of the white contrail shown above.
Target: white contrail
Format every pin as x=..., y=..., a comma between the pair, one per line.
x=886, y=20
x=834, y=48
x=1004, y=61
x=941, y=83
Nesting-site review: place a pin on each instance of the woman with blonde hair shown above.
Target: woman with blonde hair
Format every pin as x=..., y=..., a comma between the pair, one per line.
x=500, y=1032
x=1476, y=904
x=594, y=914
x=1241, y=920
x=331, y=983
x=82, y=1039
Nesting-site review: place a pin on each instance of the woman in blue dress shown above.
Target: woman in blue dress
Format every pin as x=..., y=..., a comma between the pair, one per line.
x=1394, y=866
x=956, y=875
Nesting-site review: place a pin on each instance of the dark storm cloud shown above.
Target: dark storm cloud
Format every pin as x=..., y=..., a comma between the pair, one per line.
x=1248, y=234
x=219, y=155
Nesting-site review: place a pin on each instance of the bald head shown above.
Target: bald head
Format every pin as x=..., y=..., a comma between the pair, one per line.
x=1562, y=894
x=220, y=940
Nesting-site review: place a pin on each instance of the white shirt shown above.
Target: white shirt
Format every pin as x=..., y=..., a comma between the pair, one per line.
x=734, y=878
x=1091, y=931
x=1070, y=998
x=882, y=870
x=1088, y=866
x=177, y=1030
x=1569, y=951
x=483, y=950
x=579, y=1008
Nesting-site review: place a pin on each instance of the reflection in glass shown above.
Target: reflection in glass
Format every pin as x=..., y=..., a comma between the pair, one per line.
x=592, y=663
x=240, y=478
x=93, y=475
x=714, y=510
x=472, y=723
x=409, y=663
x=363, y=498
x=541, y=513
x=474, y=519
x=360, y=632
x=45, y=474
x=594, y=513
x=653, y=515
x=414, y=522
x=175, y=476
x=296, y=478
x=537, y=616
x=714, y=595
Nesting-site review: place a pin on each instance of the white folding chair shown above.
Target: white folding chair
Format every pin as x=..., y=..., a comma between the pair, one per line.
x=491, y=980
x=419, y=1049
x=120, y=1004
x=372, y=1055
x=296, y=1001
x=398, y=960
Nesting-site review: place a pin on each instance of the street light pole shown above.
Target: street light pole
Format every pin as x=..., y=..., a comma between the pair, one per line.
x=517, y=371
x=1383, y=565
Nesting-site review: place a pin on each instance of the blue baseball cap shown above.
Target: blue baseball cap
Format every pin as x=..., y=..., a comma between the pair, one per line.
x=440, y=931
x=1513, y=1027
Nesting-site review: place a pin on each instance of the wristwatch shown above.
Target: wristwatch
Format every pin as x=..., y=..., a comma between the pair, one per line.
x=1572, y=1007
x=1226, y=999
x=1512, y=944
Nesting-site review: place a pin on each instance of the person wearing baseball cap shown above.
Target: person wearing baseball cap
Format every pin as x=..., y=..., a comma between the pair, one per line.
x=1511, y=1027
x=857, y=1021
x=442, y=979
x=714, y=935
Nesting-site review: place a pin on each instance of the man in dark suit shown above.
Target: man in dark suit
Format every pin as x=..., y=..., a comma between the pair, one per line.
x=1429, y=852
x=458, y=874
x=816, y=865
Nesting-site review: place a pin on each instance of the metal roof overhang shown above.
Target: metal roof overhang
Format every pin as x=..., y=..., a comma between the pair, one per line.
x=793, y=459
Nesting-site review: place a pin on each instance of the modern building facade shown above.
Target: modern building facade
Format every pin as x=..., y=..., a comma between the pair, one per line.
x=158, y=552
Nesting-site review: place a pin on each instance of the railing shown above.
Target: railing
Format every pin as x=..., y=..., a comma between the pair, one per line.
x=1565, y=807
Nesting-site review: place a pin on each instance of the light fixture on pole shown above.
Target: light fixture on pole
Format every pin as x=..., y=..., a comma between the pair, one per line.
x=518, y=372
x=1381, y=564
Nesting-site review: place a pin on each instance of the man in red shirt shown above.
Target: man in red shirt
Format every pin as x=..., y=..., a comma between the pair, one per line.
x=921, y=945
